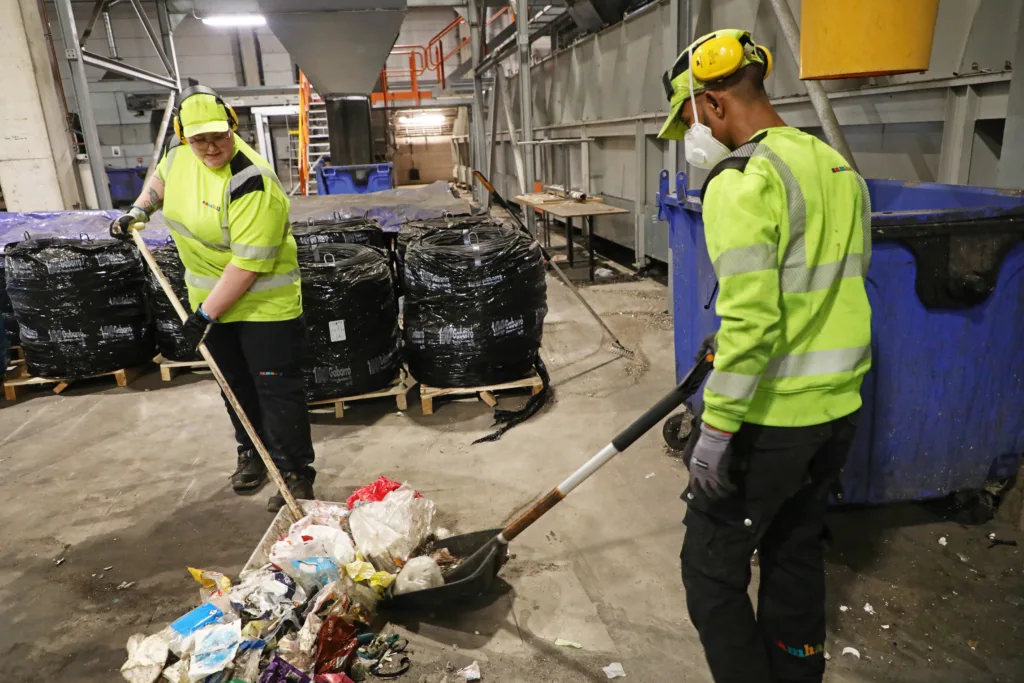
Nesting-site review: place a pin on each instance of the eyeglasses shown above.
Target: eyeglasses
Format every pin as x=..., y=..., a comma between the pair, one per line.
x=213, y=139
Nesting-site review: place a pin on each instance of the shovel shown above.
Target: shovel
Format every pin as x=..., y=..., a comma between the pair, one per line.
x=486, y=551
x=275, y=474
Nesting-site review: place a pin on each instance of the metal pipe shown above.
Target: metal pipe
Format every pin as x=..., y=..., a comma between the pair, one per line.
x=93, y=59
x=69, y=31
x=165, y=123
x=111, y=45
x=167, y=36
x=154, y=38
x=815, y=91
x=477, y=153
x=94, y=16
x=526, y=102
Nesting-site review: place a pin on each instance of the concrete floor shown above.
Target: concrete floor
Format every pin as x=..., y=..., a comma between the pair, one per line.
x=132, y=485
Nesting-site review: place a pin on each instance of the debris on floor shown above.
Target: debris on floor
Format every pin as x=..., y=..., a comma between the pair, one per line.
x=851, y=651
x=942, y=541
x=868, y=608
x=614, y=670
x=470, y=673
x=305, y=616
x=568, y=643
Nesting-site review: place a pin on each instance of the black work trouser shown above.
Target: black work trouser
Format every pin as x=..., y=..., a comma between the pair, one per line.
x=262, y=363
x=783, y=476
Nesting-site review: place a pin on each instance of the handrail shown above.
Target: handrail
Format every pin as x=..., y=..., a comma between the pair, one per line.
x=507, y=9
x=305, y=97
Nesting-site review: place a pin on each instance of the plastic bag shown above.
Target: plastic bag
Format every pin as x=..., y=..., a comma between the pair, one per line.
x=146, y=658
x=179, y=634
x=419, y=574
x=215, y=648
x=386, y=533
x=335, y=645
x=320, y=514
x=247, y=661
x=373, y=493
x=211, y=583
x=353, y=602
x=265, y=594
x=280, y=671
x=313, y=540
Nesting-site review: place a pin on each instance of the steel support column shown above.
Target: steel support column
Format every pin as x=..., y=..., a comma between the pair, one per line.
x=526, y=102
x=68, y=29
x=154, y=38
x=165, y=123
x=477, y=155
x=640, y=196
x=517, y=150
x=819, y=99
x=1011, y=161
x=962, y=106
x=492, y=141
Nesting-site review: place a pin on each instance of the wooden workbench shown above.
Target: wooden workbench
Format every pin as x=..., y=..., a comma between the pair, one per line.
x=568, y=209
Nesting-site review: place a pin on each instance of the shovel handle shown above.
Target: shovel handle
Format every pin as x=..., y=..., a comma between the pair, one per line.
x=275, y=474
x=687, y=388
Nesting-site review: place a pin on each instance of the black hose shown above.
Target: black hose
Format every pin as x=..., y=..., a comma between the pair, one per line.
x=352, y=316
x=81, y=306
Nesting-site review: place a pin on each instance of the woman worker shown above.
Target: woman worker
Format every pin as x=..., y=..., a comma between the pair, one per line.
x=228, y=214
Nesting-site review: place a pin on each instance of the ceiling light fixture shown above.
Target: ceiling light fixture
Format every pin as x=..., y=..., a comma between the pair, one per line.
x=235, y=20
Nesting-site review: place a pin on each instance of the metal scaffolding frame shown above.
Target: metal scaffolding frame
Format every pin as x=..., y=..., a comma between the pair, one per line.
x=78, y=58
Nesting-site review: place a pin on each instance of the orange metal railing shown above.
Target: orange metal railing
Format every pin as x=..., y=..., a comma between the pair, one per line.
x=305, y=97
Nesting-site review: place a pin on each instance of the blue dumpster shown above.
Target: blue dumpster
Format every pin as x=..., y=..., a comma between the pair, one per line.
x=944, y=401
x=359, y=179
x=126, y=183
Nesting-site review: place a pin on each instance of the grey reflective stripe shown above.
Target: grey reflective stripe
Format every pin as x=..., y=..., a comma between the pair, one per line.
x=796, y=252
x=733, y=384
x=818, y=362
x=171, y=153
x=249, y=251
x=820, y=277
x=750, y=259
x=263, y=283
x=236, y=181
x=200, y=281
x=185, y=232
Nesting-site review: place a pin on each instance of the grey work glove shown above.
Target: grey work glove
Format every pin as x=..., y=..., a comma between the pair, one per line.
x=709, y=463
x=121, y=227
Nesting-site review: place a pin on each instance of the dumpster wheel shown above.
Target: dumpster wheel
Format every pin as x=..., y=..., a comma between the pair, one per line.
x=677, y=428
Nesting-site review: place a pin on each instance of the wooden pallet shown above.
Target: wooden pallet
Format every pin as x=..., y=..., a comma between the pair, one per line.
x=18, y=381
x=486, y=394
x=399, y=389
x=170, y=368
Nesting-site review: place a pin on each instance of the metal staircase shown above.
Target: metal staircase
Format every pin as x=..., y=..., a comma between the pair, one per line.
x=319, y=141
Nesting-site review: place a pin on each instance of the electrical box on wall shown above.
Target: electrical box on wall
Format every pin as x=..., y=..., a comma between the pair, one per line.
x=115, y=151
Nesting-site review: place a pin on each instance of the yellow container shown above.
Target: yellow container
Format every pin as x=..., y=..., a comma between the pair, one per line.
x=852, y=38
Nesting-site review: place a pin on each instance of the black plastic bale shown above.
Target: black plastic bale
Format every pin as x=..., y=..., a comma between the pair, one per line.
x=81, y=306
x=352, y=315
x=475, y=302
x=170, y=338
x=6, y=309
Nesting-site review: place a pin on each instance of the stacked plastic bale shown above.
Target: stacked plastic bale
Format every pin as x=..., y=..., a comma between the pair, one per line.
x=80, y=304
x=351, y=312
x=170, y=339
x=475, y=302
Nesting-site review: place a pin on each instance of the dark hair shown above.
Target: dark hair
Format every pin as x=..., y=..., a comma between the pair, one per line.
x=747, y=83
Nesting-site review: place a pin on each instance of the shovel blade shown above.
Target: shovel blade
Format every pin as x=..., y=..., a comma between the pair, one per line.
x=482, y=558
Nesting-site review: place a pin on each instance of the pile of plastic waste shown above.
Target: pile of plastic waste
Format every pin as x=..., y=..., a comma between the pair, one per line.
x=306, y=615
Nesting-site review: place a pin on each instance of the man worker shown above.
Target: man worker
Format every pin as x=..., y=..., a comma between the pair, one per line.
x=228, y=215
x=787, y=224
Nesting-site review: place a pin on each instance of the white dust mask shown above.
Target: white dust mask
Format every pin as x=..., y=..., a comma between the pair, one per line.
x=702, y=149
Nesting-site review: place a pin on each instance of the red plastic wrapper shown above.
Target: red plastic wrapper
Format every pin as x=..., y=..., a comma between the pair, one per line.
x=375, y=492
x=335, y=646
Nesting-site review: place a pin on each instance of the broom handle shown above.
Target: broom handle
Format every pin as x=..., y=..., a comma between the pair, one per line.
x=687, y=388
x=275, y=474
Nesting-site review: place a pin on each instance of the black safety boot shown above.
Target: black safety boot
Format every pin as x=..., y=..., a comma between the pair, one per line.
x=300, y=486
x=250, y=473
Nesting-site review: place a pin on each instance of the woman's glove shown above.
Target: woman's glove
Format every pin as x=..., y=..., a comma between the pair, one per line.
x=196, y=328
x=121, y=227
x=709, y=464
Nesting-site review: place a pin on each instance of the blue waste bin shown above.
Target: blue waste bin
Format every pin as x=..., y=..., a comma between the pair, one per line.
x=360, y=179
x=126, y=183
x=944, y=401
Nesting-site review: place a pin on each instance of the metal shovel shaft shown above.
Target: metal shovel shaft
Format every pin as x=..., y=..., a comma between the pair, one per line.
x=690, y=384
x=275, y=474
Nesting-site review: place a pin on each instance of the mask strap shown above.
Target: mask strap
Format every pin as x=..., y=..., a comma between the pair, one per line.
x=693, y=97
